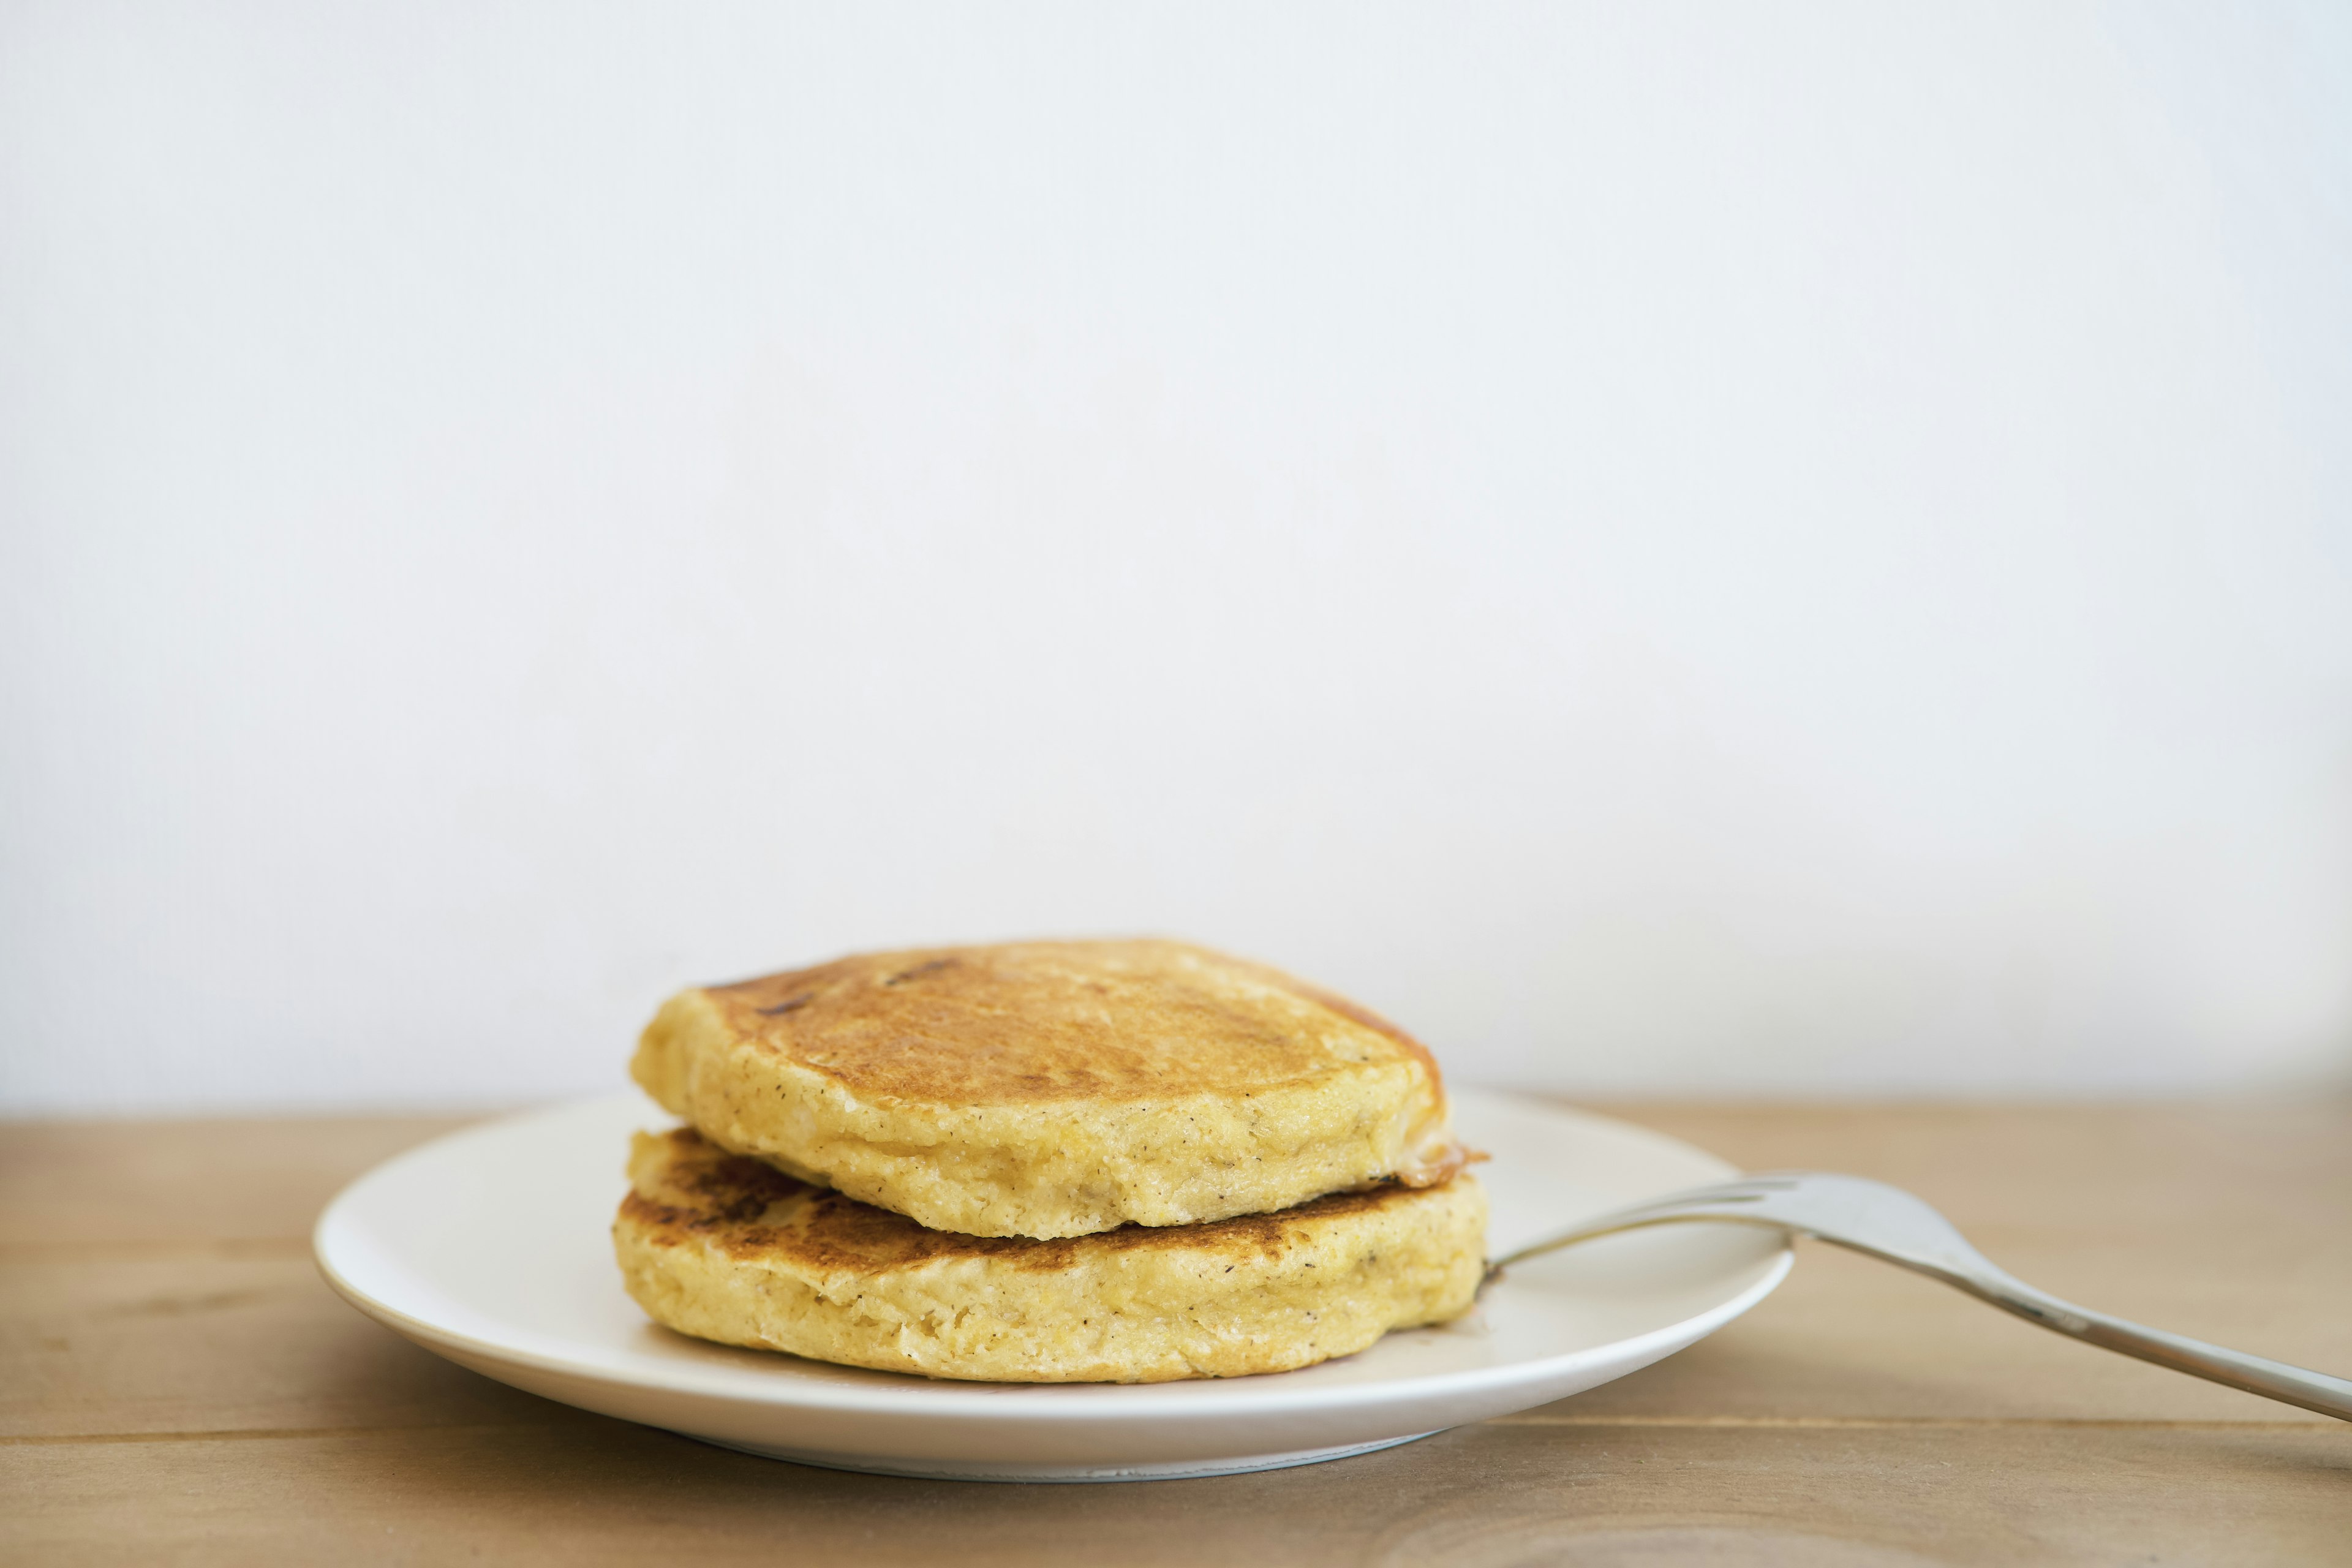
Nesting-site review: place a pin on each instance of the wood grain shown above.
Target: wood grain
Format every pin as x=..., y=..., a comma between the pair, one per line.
x=177, y=1384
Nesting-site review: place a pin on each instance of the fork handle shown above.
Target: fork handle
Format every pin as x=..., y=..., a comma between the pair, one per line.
x=2255, y=1374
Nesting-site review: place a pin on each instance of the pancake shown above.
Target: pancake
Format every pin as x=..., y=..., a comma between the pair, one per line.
x=729, y=1248
x=1053, y=1089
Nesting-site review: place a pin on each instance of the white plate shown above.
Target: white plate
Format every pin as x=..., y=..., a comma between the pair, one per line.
x=491, y=1247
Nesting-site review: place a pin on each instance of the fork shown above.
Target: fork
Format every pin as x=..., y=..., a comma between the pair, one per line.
x=1888, y=1222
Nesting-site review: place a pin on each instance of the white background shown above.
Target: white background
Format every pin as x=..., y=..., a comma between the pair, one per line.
x=1800, y=548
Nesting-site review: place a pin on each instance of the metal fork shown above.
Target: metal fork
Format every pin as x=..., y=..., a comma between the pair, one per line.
x=1888, y=1222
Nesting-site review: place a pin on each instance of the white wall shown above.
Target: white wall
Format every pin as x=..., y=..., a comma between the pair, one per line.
x=1707, y=548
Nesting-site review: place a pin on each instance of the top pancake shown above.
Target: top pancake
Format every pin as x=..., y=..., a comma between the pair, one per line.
x=1052, y=1088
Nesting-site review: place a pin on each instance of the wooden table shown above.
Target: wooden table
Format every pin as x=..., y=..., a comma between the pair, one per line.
x=177, y=1385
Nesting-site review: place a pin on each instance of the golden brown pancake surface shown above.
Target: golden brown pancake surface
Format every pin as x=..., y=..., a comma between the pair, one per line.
x=1053, y=1089
x=729, y=1248
x=1056, y=1021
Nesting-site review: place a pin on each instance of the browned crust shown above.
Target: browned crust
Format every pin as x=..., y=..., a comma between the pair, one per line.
x=750, y=1208
x=1049, y=1021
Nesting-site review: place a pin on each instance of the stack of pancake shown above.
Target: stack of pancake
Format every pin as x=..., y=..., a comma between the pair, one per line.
x=1124, y=1162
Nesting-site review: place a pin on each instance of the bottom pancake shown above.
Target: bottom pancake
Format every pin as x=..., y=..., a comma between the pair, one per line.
x=731, y=1249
